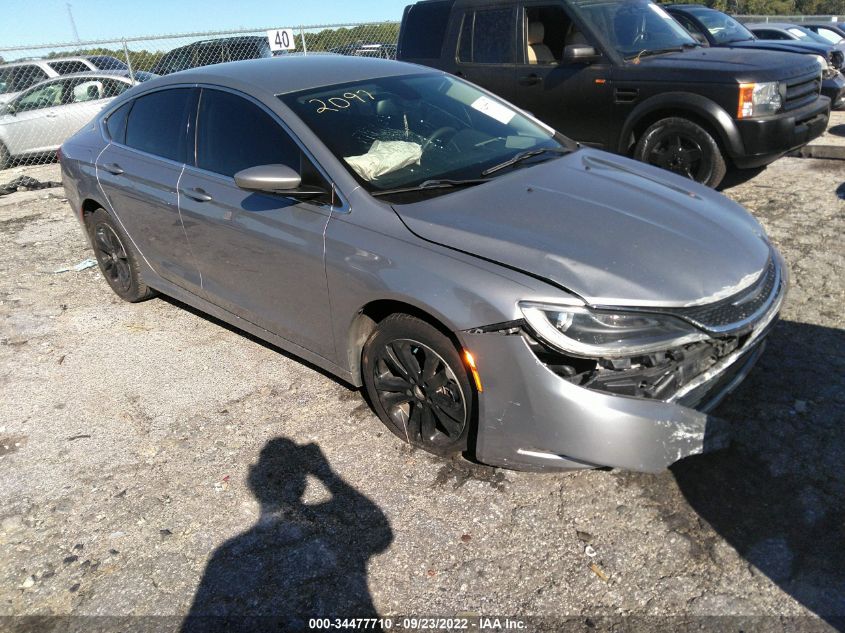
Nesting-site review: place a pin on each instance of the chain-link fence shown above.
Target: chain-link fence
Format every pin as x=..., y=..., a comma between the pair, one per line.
x=48, y=92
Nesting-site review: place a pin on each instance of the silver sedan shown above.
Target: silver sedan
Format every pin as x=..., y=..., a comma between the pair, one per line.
x=496, y=289
x=41, y=118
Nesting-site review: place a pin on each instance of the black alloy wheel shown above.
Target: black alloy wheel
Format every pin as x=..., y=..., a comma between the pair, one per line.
x=685, y=148
x=118, y=262
x=112, y=257
x=418, y=385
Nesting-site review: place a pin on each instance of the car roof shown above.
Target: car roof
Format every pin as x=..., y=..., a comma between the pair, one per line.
x=292, y=73
x=94, y=74
x=23, y=62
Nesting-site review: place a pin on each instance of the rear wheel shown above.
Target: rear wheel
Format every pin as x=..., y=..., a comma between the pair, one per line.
x=418, y=384
x=683, y=147
x=117, y=260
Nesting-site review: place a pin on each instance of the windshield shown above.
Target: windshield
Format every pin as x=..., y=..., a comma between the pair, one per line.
x=395, y=132
x=722, y=27
x=633, y=27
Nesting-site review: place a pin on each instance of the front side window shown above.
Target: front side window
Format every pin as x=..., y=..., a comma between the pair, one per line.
x=67, y=67
x=487, y=37
x=157, y=123
x=46, y=96
x=17, y=78
x=106, y=62
x=234, y=134
x=765, y=34
x=634, y=27
x=425, y=30
x=397, y=132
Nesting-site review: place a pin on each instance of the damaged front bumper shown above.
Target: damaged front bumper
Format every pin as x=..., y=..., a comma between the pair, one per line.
x=533, y=418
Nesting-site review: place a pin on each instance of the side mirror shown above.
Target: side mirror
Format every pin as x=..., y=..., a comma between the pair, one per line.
x=279, y=179
x=10, y=108
x=580, y=54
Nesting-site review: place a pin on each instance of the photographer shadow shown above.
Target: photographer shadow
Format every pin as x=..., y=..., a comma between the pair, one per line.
x=776, y=495
x=300, y=560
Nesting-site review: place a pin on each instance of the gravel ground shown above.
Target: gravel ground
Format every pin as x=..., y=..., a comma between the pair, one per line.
x=154, y=461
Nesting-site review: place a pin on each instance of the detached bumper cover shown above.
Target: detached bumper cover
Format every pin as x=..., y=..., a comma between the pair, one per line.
x=532, y=419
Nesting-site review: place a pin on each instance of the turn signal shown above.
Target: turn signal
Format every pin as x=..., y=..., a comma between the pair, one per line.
x=473, y=370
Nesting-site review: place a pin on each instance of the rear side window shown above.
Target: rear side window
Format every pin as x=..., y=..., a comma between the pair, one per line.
x=64, y=68
x=424, y=29
x=157, y=123
x=116, y=123
x=234, y=134
x=17, y=78
x=487, y=37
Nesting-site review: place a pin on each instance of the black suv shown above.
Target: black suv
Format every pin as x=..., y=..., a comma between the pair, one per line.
x=623, y=75
x=714, y=28
x=207, y=52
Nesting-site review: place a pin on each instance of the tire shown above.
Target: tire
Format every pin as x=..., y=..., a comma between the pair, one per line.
x=5, y=157
x=685, y=148
x=118, y=260
x=418, y=385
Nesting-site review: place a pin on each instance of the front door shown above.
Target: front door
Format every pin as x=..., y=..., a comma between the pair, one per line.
x=260, y=255
x=575, y=97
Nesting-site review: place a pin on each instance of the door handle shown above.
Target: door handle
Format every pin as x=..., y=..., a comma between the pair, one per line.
x=196, y=194
x=113, y=168
x=51, y=115
x=530, y=80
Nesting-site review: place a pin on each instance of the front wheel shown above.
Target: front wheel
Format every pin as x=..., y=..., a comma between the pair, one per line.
x=683, y=147
x=418, y=385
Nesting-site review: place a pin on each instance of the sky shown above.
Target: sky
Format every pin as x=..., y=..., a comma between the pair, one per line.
x=29, y=22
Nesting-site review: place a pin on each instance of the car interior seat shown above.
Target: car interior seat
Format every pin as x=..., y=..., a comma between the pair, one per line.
x=538, y=52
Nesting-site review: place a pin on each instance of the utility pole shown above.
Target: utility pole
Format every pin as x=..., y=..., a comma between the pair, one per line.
x=72, y=22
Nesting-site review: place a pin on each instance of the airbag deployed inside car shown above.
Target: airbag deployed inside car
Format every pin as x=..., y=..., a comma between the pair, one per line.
x=385, y=157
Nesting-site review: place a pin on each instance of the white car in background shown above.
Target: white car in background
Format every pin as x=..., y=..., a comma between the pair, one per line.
x=40, y=119
x=15, y=77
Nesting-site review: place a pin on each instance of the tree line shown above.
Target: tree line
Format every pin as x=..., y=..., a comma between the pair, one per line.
x=774, y=7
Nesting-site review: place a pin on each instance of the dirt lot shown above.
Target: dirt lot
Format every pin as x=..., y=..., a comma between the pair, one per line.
x=135, y=441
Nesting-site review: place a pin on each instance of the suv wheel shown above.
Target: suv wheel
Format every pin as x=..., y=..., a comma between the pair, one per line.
x=683, y=147
x=418, y=385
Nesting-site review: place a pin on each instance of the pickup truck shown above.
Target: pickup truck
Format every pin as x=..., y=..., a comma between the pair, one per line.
x=624, y=76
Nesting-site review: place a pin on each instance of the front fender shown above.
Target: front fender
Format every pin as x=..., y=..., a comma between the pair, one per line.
x=679, y=103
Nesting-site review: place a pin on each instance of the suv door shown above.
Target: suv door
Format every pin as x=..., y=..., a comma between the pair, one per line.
x=571, y=96
x=139, y=173
x=486, y=49
x=260, y=255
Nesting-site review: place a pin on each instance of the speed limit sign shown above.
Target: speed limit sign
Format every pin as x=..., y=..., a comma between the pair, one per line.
x=281, y=40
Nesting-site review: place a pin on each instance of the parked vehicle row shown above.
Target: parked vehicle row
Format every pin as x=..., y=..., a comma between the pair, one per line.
x=625, y=76
x=714, y=28
x=40, y=119
x=15, y=77
x=496, y=288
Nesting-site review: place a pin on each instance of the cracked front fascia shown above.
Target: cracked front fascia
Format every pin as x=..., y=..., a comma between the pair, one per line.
x=727, y=291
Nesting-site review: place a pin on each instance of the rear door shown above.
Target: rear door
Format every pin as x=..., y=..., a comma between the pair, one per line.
x=486, y=49
x=260, y=255
x=139, y=173
x=572, y=97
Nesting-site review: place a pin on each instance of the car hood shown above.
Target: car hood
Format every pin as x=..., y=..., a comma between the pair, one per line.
x=785, y=46
x=720, y=65
x=611, y=230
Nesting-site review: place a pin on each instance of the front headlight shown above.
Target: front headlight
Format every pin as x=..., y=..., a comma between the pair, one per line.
x=759, y=99
x=601, y=334
x=827, y=68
